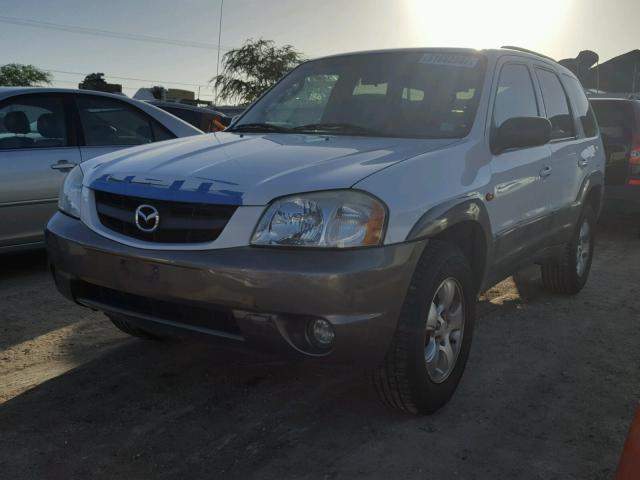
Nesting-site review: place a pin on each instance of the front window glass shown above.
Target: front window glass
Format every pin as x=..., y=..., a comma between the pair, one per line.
x=412, y=94
x=32, y=121
x=515, y=96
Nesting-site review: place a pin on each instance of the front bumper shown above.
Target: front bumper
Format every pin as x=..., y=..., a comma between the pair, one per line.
x=261, y=297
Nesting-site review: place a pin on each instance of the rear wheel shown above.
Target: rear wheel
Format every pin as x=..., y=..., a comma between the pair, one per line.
x=127, y=327
x=427, y=358
x=569, y=275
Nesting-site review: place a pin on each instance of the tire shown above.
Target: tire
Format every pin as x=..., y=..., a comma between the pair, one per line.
x=407, y=380
x=121, y=322
x=569, y=275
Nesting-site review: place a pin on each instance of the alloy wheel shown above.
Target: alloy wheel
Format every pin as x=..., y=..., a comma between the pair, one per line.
x=445, y=327
x=583, y=250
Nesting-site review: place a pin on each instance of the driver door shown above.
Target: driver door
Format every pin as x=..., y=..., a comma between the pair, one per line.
x=520, y=209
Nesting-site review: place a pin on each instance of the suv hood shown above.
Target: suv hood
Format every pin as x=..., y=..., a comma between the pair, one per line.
x=249, y=169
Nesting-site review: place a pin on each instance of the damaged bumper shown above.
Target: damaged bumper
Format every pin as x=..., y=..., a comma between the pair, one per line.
x=260, y=297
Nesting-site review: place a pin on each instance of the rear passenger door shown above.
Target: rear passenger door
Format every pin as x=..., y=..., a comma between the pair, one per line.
x=108, y=124
x=520, y=209
x=37, y=149
x=566, y=174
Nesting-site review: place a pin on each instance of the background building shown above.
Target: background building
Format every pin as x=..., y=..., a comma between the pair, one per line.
x=620, y=75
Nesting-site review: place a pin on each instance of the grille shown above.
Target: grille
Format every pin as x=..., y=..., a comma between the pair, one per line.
x=206, y=317
x=180, y=222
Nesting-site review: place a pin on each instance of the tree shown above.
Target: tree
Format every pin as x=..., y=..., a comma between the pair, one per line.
x=251, y=69
x=158, y=92
x=96, y=81
x=18, y=75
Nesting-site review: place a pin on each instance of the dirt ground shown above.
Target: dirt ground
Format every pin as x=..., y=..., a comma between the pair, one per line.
x=548, y=393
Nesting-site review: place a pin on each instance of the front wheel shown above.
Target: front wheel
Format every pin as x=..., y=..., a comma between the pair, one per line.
x=569, y=274
x=427, y=358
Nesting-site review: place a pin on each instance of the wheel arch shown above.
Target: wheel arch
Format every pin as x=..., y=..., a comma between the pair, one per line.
x=463, y=223
x=592, y=192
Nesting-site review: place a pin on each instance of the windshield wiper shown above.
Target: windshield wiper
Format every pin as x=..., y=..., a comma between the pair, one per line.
x=257, y=127
x=340, y=128
x=331, y=128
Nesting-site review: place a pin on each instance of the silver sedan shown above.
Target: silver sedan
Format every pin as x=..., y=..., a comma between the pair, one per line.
x=45, y=132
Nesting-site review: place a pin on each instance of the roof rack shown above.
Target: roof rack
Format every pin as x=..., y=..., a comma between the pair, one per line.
x=524, y=50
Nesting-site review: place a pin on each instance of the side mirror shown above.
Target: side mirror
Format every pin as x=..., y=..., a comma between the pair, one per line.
x=521, y=132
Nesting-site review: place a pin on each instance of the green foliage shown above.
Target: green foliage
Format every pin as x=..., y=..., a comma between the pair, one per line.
x=17, y=75
x=95, y=78
x=253, y=68
x=95, y=81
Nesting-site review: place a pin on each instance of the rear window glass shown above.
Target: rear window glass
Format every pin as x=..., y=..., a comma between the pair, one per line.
x=108, y=121
x=412, y=94
x=370, y=88
x=583, y=109
x=203, y=121
x=615, y=119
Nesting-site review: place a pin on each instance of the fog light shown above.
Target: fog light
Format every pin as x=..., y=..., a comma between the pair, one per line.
x=321, y=333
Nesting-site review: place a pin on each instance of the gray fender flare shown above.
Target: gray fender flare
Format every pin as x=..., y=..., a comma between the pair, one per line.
x=442, y=217
x=593, y=180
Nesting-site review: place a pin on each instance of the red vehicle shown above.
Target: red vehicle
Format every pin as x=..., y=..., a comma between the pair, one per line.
x=206, y=119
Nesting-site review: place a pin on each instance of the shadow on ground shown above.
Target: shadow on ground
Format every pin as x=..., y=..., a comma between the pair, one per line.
x=30, y=305
x=548, y=393
x=18, y=265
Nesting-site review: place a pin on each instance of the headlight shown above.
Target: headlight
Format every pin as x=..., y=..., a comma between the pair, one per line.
x=71, y=194
x=338, y=219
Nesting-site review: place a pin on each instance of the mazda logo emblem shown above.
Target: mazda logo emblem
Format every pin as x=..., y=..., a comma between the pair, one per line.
x=147, y=218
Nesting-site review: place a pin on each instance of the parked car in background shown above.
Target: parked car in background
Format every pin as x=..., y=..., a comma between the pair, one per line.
x=206, y=119
x=619, y=121
x=45, y=132
x=355, y=211
x=231, y=111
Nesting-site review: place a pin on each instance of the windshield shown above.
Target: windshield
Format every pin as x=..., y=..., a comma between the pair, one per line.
x=410, y=94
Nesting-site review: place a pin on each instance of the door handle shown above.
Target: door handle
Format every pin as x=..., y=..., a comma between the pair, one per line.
x=583, y=162
x=63, y=165
x=545, y=172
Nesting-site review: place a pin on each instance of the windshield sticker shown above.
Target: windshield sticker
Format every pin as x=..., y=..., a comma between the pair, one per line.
x=449, y=59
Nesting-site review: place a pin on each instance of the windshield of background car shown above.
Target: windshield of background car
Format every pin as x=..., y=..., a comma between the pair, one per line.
x=395, y=94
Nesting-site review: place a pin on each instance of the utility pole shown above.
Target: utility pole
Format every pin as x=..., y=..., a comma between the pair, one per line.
x=215, y=92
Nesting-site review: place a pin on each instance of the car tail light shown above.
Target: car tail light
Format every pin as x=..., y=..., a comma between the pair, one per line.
x=634, y=162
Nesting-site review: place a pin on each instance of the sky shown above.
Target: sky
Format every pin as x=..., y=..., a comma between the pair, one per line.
x=558, y=28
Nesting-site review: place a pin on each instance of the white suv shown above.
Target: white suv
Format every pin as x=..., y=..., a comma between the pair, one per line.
x=354, y=211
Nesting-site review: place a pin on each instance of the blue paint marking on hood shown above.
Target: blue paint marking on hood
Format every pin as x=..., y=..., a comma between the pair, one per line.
x=248, y=170
x=187, y=190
